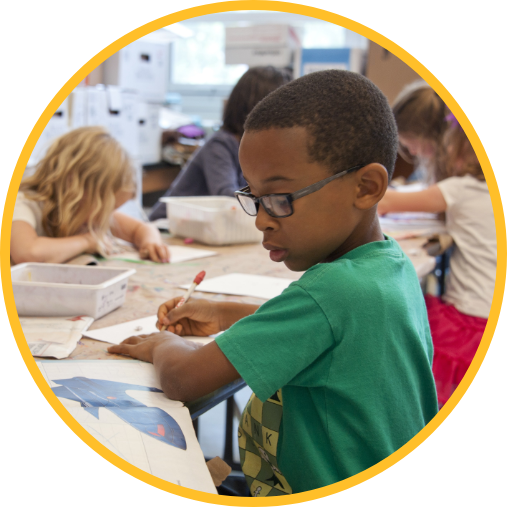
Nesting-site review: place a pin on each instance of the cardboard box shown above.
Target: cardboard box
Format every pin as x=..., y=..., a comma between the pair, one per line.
x=276, y=45
x=109, y=107
x=56, y=127
x=141, y=67
x=77, y=108
x=122, y=118
x=96, y=106
x=150, y=133
x=388, y=72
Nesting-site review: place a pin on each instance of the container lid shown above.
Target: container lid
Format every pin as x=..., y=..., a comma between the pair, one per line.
x=207, y=203
x=117, y=274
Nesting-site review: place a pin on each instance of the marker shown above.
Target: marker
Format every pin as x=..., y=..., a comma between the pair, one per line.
x=197, y=280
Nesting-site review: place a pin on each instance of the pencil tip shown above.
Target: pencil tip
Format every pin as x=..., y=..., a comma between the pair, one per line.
x=199, y=278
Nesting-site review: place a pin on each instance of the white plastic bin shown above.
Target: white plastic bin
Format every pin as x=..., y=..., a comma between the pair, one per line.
x=214, y=220
x=61, y=290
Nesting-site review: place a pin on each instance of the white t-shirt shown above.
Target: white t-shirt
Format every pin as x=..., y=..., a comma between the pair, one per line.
x=29, y=211
x=471, y=223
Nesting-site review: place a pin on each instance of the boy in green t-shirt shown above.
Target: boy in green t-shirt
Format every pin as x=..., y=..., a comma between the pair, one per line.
x=340, y=362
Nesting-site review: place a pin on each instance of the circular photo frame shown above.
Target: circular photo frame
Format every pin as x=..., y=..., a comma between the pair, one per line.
x=287, y=8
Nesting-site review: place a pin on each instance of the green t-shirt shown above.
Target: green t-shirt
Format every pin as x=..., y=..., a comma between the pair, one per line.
x=345, y=355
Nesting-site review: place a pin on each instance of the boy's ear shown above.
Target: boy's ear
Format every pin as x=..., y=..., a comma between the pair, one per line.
x=371, y=185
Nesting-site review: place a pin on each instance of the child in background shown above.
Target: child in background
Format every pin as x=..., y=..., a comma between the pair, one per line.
x=458, y=320
x=67, y=207
x=215, y=169
x=340, y=362
x=420, y=117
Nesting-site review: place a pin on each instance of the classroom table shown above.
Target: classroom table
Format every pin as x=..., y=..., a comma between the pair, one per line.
x=152, y=284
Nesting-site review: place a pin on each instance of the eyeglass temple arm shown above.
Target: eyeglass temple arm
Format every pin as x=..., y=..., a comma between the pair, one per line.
x=320, y=184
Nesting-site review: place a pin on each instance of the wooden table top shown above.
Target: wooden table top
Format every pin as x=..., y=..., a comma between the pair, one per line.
x=152, y=284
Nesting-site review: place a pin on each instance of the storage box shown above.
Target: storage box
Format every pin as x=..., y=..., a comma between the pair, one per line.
x=56, y=127
x=150, y=133
x=388, y=72
x=276, y=45
x=60, y=290
x=141, y=66
x=216, y=220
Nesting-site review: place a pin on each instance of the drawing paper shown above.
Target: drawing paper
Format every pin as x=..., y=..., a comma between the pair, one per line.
x=54, y=336
x=411, y=225
x=238, y=284
x=116, y=334
x=177, y=253
x=411, y=187
x=120, y=403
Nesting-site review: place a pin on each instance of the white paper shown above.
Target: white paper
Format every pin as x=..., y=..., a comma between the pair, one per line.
x=407, y=225
x=412, y=216
x=239, y=284
x=54, y=336
x=412, y=187
x=116, y=334
x=177, y=254
x=121, y=405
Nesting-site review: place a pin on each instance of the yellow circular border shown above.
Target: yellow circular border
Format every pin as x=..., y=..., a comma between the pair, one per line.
x=201, y=11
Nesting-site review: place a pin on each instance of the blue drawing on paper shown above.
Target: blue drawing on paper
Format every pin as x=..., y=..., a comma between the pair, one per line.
x=94, y=394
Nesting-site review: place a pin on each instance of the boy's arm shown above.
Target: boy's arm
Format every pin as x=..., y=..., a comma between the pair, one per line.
x=430, y=200
x=145, y=237
x=186, y=371
x=27, y=246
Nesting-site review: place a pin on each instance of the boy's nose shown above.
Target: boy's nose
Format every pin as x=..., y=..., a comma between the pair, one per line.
x=264, y=222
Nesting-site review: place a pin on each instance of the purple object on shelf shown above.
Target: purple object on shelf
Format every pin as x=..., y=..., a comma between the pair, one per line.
x=191, y=131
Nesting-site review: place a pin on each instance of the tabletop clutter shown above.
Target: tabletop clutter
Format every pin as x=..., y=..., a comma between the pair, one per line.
x=57, y=303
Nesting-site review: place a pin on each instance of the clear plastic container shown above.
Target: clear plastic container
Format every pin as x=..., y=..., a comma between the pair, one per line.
x=60, y=290
x=214, y=220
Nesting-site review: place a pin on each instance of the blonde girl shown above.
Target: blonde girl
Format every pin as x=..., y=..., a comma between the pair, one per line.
x=67, y=207
x=458, y=319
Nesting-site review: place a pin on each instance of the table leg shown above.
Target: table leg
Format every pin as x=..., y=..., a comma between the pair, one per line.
x=230, y=438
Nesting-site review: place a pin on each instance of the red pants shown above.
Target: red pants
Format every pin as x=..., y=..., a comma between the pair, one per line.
x=456, y=337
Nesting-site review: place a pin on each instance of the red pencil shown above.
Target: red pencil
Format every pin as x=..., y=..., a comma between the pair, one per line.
x=197, y=280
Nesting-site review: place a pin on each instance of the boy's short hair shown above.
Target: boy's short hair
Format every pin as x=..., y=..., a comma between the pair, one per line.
x=348, y=118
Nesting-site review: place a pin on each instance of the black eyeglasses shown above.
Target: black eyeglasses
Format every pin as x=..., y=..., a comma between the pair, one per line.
x=280, y=205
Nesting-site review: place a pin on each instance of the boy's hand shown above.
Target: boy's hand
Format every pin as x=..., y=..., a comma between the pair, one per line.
x=140, y=347
x=154, y=251
x=197, y=317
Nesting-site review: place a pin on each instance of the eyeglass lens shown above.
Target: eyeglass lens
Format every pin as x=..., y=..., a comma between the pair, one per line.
x=248, y=204
x=276, y=205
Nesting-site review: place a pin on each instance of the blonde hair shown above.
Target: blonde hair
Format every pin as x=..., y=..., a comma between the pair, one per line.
x=420, y=114
x=458, y=156
x=77, y=180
